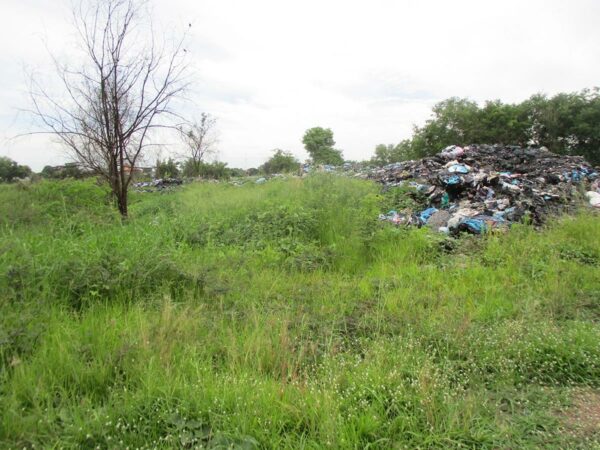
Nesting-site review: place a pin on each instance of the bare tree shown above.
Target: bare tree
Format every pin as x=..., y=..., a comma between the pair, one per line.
x=199, y=139
x=122, y=91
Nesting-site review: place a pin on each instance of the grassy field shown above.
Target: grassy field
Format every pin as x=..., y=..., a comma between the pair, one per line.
x=285, y=315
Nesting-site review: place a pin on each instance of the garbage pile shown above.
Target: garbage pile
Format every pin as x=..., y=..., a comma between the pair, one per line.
x=160, y=184
x=484, y=187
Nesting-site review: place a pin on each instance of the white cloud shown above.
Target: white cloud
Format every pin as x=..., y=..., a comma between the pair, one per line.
x=270, y=69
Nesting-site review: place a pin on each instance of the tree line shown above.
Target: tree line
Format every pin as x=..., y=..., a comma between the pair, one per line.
x=566, y=123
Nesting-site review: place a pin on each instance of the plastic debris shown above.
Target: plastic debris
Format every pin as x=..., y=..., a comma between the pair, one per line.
x=486, y=187
x=452, y=151
x=594, y=198
x=480, y=224
x=425, y=215
x=395, y=218
x=159, y=184
x=458, y=168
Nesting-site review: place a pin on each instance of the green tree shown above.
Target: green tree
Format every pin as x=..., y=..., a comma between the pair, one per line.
x=502, y=123
x=319, y=143
x=383, y=154
x=69, y=170
x=454, y=121
x=10, y=170
x=215, y=170
x=567, y=123
x=167, y=169
x=280, y=162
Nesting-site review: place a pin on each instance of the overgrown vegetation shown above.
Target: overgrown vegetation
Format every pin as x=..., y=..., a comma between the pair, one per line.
x=285, y=315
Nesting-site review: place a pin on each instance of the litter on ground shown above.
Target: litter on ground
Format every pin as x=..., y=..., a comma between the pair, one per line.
x=480, y=188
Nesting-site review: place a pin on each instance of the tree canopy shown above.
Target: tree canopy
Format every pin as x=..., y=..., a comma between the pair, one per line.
x=319, y=143
x=280, y=162
x=10, y=170
x=566, y=123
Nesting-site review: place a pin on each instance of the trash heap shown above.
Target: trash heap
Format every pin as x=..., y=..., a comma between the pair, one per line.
x=484, y=187
x=159, y=184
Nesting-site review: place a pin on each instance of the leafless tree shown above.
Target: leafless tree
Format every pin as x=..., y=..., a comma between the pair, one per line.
x=118, y=96
x=199, y=139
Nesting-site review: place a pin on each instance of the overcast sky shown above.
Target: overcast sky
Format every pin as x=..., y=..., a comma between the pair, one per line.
x=270, y=69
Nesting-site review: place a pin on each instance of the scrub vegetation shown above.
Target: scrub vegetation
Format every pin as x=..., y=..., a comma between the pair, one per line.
x=284, y=315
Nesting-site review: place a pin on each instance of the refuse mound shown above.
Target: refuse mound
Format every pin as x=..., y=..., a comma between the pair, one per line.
x=483, y=187
x=159, y=184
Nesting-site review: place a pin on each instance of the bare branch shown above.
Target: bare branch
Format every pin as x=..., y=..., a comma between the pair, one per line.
x=124, y=89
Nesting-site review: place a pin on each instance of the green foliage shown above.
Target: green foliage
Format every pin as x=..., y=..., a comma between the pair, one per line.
x=65, y=201
x=167, y=169
x=284, y=315
x=213, y=171
x=565, y=123
x=404, y=198
x=280, y=162
x=319, y=143
x=390, y=153
x=69, y=170
x=10, y=170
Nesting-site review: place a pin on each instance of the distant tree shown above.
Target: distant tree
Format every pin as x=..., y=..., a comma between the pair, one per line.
x=319, y=143
x=199, y=139
x=453, y=122
x=213, y=171
x=502, y=123
x=390, y=153
x=383, y=154
x=166, y=169
x=567, y=122
x=280, y=162
x=69, y=170
x=121, y=90
x=216, y=170
x=237, y=172
x=253, y=171
x=49, y=172
x=10, y=170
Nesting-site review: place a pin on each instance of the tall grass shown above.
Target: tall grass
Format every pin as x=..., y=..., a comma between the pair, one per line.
x=285, y=315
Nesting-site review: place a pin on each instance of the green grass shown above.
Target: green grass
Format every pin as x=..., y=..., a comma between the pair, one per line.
x=285, y=315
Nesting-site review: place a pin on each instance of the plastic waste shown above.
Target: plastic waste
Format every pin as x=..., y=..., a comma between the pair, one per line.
x=445, y=200
x=594, y=198
x=393, y=217
x=452, y=180
x=439, y=219
x=458, y=168
x=504, y=183
x=426, y=214
x=452, y=151
x=480, y=224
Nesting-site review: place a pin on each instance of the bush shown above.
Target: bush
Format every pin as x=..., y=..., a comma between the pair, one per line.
x=280, y=162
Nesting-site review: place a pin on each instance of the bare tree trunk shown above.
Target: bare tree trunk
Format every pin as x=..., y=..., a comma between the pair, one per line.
x=122, y=202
